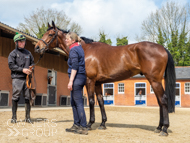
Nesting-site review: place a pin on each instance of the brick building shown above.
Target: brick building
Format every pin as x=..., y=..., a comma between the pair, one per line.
x=45, y=69
x=126, y=92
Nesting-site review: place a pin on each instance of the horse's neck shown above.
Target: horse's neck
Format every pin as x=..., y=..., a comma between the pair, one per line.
x=63, y=45
x=84, y=46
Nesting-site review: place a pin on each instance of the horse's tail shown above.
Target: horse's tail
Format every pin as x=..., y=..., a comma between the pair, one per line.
x=170, y=79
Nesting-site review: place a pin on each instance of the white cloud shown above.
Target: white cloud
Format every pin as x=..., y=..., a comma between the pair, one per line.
x=115, y=17
x=12, y=12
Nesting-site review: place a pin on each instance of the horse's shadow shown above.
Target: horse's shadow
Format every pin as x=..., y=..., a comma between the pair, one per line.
x=112, y=125
x=39, y=119
x=117, y=125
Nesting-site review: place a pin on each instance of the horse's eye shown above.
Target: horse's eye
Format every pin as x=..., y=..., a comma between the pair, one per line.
x=50, y=35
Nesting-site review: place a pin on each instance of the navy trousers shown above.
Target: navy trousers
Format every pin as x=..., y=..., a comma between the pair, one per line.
x=77, y=102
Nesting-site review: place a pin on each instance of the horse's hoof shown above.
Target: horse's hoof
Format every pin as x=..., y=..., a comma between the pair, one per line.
x=163, y=134
x=157, y=131
x=102, y=128
x=89, y=128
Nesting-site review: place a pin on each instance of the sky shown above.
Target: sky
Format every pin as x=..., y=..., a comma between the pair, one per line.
x=117, y=18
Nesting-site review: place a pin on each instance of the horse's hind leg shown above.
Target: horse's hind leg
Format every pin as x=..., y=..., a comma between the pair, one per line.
x=162, y=101
x=90, y=86
x=98, y=90
x=159, y=128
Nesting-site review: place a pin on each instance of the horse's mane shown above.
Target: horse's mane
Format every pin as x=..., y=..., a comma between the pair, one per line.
x=64, y=31
x=86, y=40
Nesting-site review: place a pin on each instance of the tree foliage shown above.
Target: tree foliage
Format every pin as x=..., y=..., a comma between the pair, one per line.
x=103, y=39
x=36, y=23
x=122, y=41
x=170, y=27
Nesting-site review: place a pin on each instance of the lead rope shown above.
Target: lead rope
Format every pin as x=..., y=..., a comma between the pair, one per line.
x=29, y=82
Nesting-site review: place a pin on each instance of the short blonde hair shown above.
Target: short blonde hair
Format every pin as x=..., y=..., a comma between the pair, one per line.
x=74, y=36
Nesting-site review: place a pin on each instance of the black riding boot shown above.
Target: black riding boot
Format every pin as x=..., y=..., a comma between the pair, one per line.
x=14, y=109
x=27, y=110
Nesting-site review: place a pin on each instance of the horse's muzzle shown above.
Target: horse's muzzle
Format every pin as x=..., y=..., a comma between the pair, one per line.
x=38, y=50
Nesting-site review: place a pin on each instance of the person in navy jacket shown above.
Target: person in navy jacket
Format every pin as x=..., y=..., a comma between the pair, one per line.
x=77, y=80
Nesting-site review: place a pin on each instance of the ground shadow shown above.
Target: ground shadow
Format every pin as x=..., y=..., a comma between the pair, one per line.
x=116, y=125
x=64, y=121
x=39, y=119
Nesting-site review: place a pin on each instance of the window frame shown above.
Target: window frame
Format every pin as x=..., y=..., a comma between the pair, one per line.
x=184, y=88
x=123, y=88
x=152, y=92
x=136, y=93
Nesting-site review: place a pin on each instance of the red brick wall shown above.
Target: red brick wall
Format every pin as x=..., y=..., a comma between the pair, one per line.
x=62, y=80
x=128, y=97
x=5, y=77
x=41, y=80
x=185, y=98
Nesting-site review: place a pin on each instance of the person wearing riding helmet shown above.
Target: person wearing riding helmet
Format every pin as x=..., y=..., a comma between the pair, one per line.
x=19, y=61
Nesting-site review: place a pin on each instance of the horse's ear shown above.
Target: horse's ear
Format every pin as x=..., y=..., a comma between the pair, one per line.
x=49, y=25
x=53, y=24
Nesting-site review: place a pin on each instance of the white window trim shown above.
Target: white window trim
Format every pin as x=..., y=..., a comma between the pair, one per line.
x=179, y=92
x=118, y=88
x=145, y=90
x=113, y=92
x=184, y=88
x=152, y=92
x=179, y=88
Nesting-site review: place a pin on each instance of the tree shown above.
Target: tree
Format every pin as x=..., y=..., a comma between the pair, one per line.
x=170, y=27
x=122, y=41
x=103, y=38
x=36, y=23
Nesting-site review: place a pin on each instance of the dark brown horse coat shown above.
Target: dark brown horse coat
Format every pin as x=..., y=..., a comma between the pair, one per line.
x=113, y=63
x=105, y=63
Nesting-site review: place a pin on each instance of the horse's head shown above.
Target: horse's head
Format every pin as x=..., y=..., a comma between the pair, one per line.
x=51, y=39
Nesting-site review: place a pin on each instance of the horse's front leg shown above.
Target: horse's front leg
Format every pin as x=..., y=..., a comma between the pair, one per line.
x=90, y=86
x=98, y=90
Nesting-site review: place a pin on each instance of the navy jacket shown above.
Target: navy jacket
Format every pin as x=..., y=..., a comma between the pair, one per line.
x=76, y=61
x=19, y=59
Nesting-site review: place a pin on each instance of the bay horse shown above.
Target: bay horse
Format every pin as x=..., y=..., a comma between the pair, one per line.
x=105, y=63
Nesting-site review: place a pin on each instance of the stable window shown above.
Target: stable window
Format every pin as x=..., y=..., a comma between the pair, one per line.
x=108, y=92
x=140, y=93
x=187, y=88
x=108, y=89
x=177, y=95
x=121, y=88
x=140, y=89
x=177, y=89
